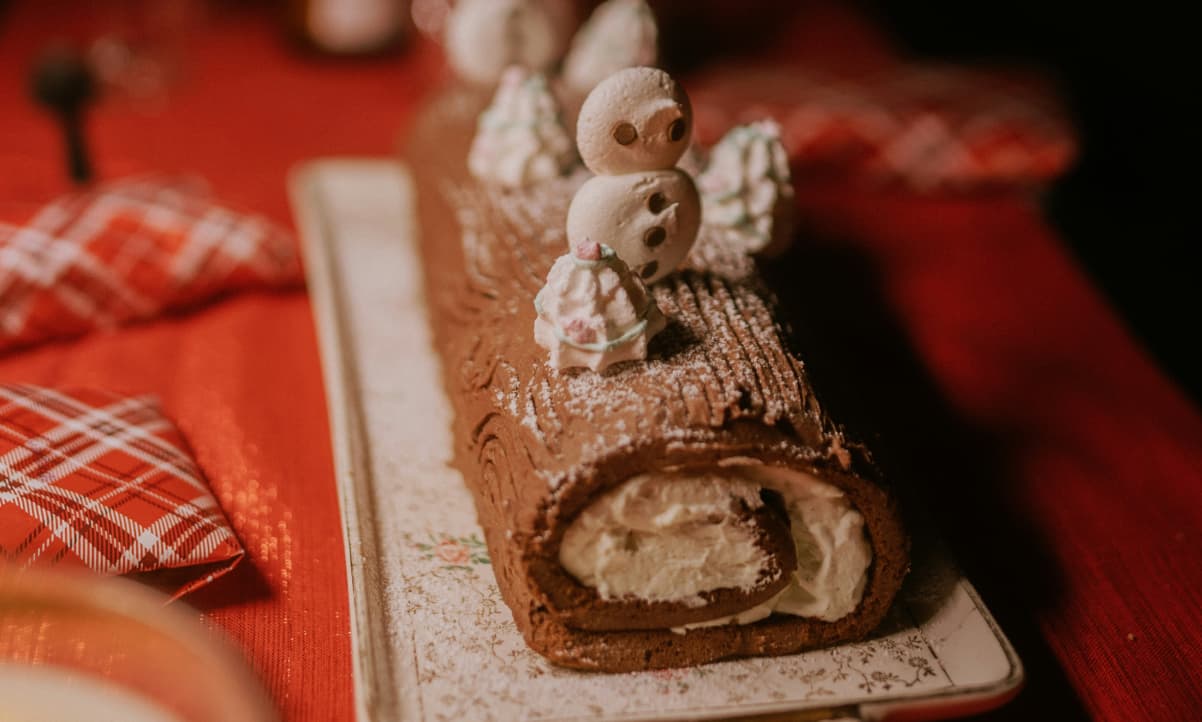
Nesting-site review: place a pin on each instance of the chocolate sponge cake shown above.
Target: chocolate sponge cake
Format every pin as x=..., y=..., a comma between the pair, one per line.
x=693, y=506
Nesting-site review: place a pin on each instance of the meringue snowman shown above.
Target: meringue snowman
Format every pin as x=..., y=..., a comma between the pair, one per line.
x=484, y=37
x=633, y=128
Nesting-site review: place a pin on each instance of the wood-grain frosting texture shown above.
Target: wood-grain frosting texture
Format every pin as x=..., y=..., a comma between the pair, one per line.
x=536, y=445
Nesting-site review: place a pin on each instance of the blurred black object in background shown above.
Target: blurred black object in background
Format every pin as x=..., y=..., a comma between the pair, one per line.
x=1129, y=208
x=61, y=81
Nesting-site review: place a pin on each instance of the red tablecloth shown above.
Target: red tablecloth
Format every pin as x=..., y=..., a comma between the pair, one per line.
x=1065, y=467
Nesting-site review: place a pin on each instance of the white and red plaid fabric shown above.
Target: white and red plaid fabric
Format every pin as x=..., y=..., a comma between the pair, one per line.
x=128, y=251
x=928, y=128
x=95, y=479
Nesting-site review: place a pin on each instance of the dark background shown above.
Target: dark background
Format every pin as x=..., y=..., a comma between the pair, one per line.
x=1128, y=71
x=1128, y=210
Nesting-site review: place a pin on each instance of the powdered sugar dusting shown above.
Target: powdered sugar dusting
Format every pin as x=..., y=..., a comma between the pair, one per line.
x=722, y=357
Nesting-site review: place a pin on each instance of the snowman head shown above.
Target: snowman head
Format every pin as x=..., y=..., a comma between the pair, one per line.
x=638, y=119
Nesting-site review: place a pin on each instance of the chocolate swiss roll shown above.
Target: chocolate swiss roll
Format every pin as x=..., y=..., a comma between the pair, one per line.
x=693, y=506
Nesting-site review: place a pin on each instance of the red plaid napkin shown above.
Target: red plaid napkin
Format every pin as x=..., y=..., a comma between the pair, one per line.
x=94, y=479
x=930, y=128
x=127, y=251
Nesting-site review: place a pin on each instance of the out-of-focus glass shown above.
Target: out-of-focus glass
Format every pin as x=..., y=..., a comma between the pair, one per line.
x=349, y=27
x=139, y=48
x=76, y=647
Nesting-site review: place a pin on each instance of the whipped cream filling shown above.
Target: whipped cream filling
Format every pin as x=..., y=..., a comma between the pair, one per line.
x=673, y=535
x=666, y=539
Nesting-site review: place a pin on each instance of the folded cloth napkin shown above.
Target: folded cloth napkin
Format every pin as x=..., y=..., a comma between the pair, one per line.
x=127, y=251
x=95, y=479
x=925, y=127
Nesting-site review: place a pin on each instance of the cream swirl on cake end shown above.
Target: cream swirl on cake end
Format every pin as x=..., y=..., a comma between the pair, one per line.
x=661, y=538
x=672, y=536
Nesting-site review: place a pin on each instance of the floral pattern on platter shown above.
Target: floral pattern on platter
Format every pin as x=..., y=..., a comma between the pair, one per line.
x=462, y=552
x=473, y=664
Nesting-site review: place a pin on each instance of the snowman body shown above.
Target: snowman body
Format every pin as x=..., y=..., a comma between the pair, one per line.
x=646, y=217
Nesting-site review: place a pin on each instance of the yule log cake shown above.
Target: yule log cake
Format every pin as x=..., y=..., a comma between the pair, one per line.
x=657, y=482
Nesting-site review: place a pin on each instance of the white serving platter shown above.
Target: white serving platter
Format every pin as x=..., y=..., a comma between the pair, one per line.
x=431, y=637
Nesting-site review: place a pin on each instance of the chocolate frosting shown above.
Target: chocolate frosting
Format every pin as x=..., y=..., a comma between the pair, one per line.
x=536, y=445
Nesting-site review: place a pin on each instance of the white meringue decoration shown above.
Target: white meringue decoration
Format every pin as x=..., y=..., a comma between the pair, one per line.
x=747, y=189
x=520, y=139
x=619, y=34
x=593, y=312
x=484, y=37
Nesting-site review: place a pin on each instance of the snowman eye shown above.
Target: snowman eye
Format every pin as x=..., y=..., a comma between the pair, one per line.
x=656, y=202
x=649, y=270
x=654, y=236
x=676, y=130
x=625, y=133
